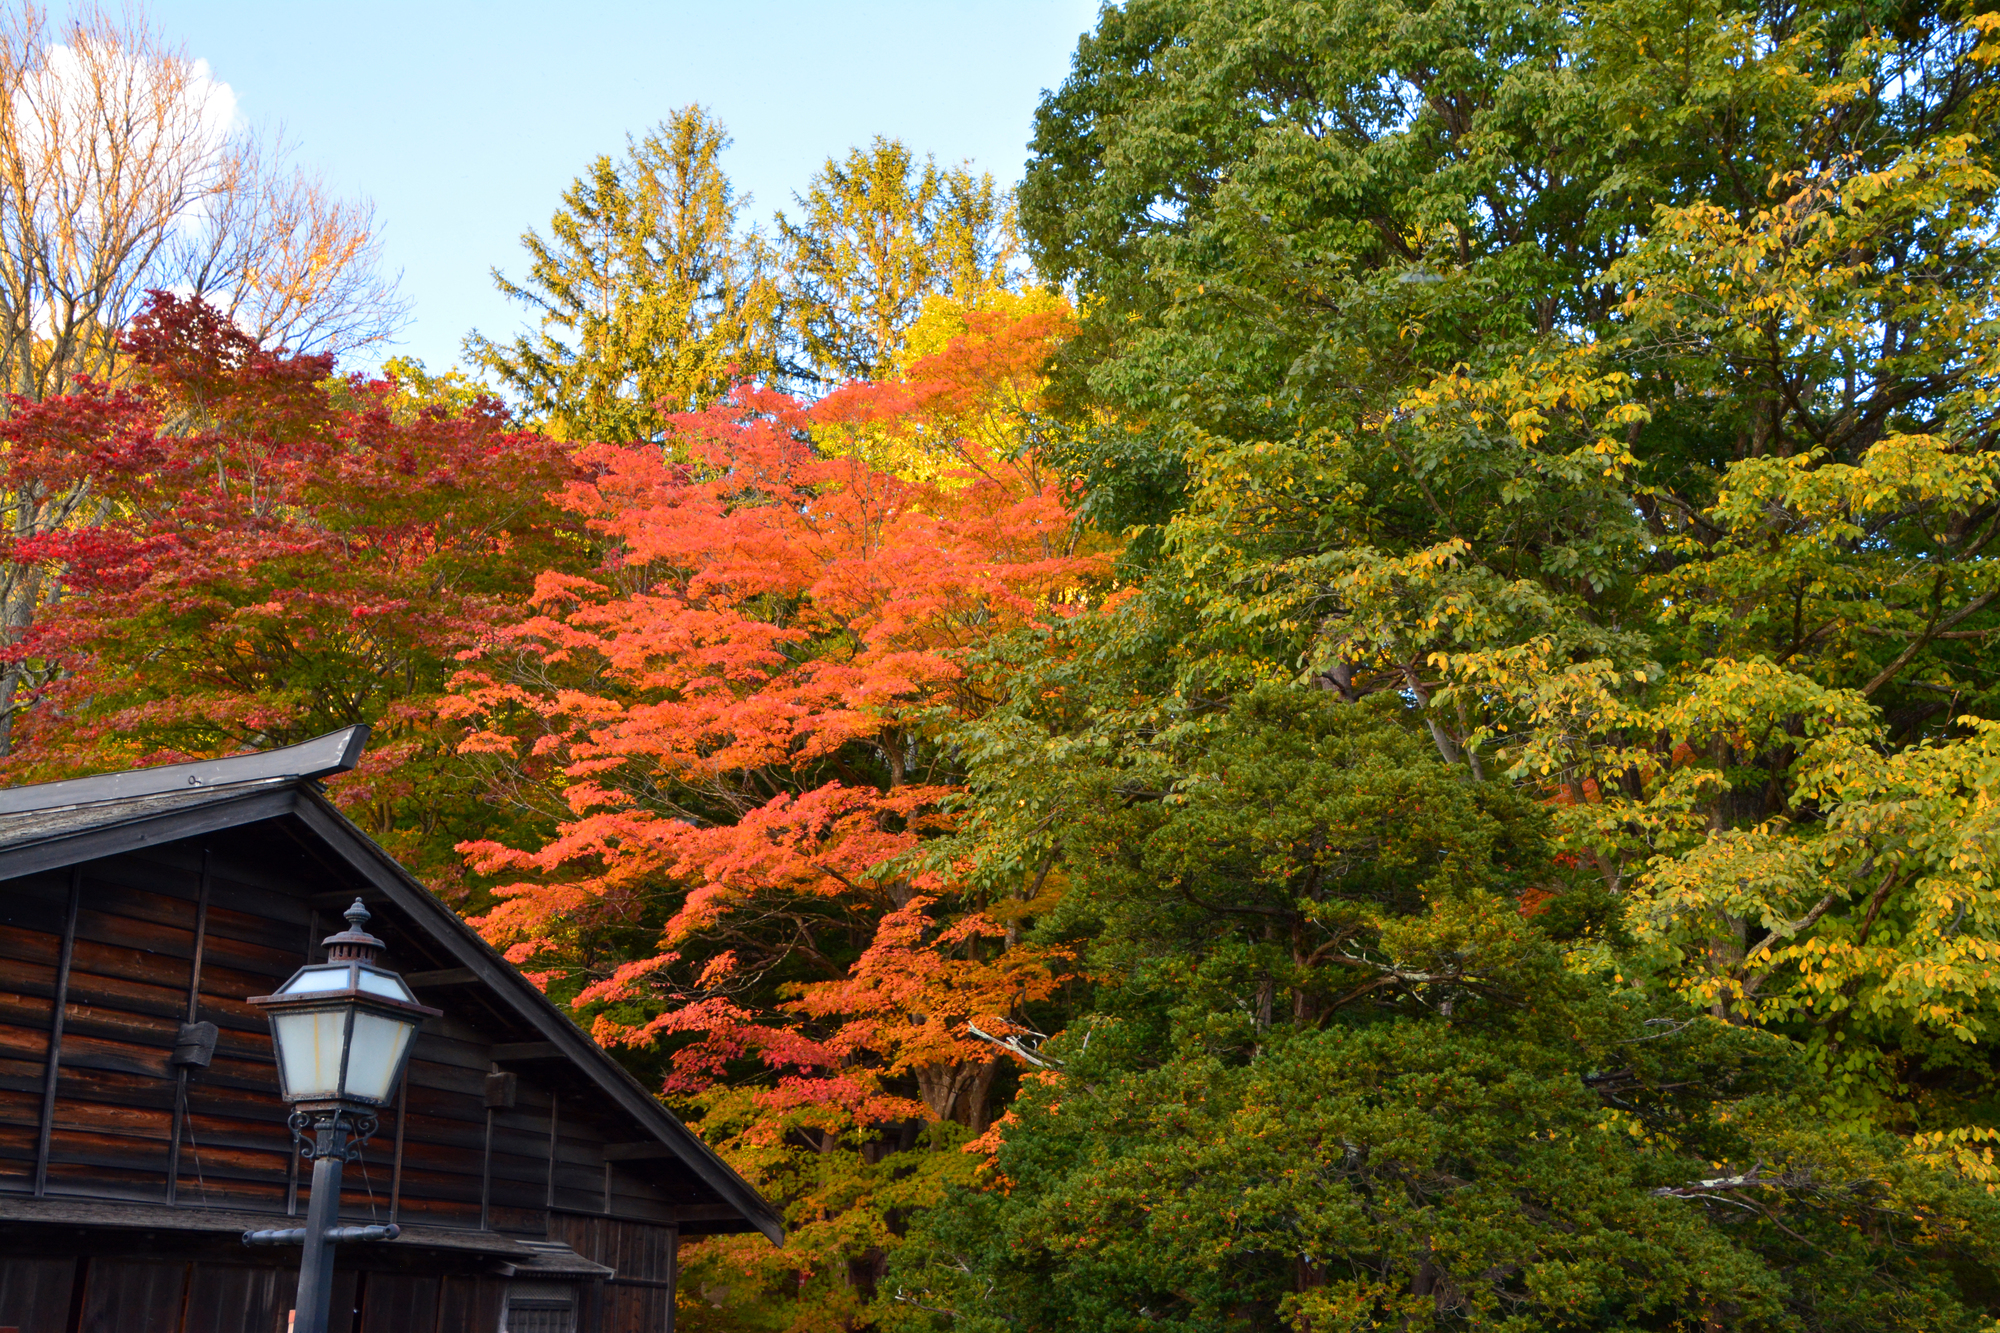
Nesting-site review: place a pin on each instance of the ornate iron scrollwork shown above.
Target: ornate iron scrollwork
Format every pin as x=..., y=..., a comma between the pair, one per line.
x=300, y=1122
x=307, y=1125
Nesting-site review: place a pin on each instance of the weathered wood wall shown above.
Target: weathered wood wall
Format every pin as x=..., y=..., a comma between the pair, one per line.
x=641, y=1297
x=105, y=1294
x=97, y=968
x=111, y=1127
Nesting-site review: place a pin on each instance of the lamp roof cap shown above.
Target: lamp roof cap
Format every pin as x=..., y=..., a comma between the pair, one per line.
x=353, y=944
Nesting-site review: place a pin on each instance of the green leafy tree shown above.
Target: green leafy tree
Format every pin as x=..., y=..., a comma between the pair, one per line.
x=1618, y=392
x=878, y=233
x=408, y=388
x=1556, y=673
x=648, y=290
x=1337, y=1071
x=1284, y=214
x=1533, y=1161
x=452, y=392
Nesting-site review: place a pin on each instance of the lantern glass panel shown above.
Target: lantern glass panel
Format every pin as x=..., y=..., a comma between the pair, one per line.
x=311, y=979
x=376, y=1054
x=309, y=1044
x=386, y=984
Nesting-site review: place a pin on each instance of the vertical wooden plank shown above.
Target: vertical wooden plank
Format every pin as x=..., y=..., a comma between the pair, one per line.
x=235, y=1299
x=34, y=1294
x=458, y=1304
x=486, y=1175
x=400, y=1303
x=673, y=1273
x=344, y=1312
x=200, y=939
x=396, y=1172
x=292, y=1174
x=134, y=1296
x=590, y=1307
x=555, y=1113
x=55, y=1032
x=489, y=1302
x=633, y=1309
x=193, y=1015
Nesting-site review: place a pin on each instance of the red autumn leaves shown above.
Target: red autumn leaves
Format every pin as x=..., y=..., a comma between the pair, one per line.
x=687, y=705
x=237, y=550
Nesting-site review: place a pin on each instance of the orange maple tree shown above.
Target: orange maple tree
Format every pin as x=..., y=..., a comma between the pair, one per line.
x=739, y=728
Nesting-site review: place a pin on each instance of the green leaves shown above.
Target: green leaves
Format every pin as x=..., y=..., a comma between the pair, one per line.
x=1422, y=1174
x=1528, y=819
x=877, y=234
x=1886, y=914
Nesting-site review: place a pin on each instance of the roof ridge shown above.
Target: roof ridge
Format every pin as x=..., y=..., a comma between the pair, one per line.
x=322, y=756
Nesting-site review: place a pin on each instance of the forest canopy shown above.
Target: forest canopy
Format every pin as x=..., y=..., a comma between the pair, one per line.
x=1369, y=704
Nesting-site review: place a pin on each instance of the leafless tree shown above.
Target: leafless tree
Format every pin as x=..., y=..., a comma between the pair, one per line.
x=122, y=169
x=286, y=260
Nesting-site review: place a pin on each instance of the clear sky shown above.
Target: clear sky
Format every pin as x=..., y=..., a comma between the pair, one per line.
x=464, y=122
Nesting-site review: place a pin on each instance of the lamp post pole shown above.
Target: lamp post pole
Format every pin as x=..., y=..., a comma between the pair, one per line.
x=330, y=1147
x=322, y=1216
x=341, y=1031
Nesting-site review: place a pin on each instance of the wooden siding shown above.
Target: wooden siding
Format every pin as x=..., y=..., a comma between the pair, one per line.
x=35, y=1294
x=640, y=1299
x=112, y=1131
x=229, y=920
x=104, y=1294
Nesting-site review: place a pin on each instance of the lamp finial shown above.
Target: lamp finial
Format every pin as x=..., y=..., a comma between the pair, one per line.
x=354, y=944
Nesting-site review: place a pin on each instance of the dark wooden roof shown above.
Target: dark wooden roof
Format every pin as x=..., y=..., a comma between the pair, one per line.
x=52, y=824
x=65, y=824
x=323, y=756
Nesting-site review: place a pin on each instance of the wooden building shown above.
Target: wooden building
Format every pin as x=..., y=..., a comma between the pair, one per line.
x=539, y=1187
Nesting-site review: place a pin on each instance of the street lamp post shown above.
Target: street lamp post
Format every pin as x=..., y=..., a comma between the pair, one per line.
x=341, y=1031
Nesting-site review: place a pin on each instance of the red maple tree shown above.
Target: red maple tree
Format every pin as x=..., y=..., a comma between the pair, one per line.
x=254, y=553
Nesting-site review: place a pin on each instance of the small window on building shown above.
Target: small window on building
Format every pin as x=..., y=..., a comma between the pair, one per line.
x=540, y=1307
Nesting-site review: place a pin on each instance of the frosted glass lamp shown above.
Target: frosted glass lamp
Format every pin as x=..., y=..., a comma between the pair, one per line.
x=342, y=1029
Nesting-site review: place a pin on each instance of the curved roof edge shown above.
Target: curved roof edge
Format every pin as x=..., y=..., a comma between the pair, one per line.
x=320, y=757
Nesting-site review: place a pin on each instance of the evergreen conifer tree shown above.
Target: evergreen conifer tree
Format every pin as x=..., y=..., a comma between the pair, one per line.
x=877, y=233
x=647, y=290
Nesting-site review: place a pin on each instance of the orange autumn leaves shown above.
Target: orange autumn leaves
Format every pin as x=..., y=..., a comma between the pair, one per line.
x=745, y=714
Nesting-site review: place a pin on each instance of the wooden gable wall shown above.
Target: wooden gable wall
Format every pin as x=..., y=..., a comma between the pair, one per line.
x=492, y=1133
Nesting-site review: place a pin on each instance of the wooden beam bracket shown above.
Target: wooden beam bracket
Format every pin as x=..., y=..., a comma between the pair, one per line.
x=501, y=1090
x=194, y=1048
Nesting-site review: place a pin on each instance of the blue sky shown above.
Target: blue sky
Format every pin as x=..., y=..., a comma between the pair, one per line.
x=465, y=121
